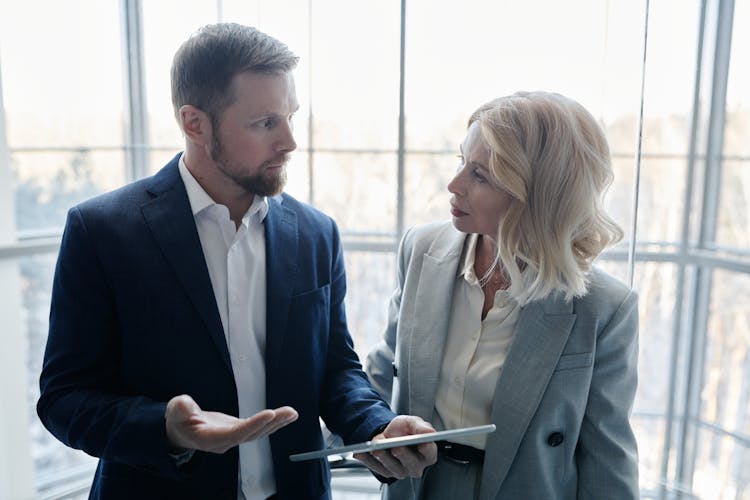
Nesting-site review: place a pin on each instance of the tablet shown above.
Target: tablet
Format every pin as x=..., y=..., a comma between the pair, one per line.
x=382, y=444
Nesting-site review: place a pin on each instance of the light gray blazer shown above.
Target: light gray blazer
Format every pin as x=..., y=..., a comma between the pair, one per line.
x=571, y=370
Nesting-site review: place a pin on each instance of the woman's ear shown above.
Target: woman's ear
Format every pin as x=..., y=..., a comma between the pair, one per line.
x=195, y=125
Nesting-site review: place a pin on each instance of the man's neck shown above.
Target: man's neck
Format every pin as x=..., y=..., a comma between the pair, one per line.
x=221, y=189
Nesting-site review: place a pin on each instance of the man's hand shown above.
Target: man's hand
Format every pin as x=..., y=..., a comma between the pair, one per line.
x=190, y=427
x=404, y=461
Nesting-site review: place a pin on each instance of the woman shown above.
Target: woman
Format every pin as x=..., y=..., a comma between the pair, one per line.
x=500, y=317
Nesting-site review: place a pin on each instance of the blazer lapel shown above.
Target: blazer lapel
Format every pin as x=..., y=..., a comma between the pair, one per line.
x=541, y=334
x=282, y=246
x=430, y=326
x=171, y=221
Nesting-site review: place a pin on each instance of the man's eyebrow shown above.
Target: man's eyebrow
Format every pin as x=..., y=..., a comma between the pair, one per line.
x=267, y=114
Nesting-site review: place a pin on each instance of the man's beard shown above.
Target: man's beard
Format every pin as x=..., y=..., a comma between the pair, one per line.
x=260, y=184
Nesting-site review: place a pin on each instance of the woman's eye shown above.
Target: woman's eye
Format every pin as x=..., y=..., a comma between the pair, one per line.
x=460, y=162
x=477, y=176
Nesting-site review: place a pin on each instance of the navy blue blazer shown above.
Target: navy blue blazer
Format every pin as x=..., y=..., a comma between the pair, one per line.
x=134, y=322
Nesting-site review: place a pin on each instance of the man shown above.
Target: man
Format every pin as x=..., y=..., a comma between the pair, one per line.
x=188, y=304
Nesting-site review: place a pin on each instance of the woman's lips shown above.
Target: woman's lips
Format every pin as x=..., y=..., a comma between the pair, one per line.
x=456, y=212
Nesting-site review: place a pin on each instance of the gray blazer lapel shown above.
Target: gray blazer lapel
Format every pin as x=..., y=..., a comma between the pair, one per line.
x=541, y=334
x=430, y=328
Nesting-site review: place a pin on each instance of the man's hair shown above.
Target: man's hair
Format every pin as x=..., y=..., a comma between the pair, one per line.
x=206, y=63
x=551, y=156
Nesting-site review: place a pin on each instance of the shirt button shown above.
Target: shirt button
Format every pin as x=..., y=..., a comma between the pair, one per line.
x=242, y=357
x=457, y=380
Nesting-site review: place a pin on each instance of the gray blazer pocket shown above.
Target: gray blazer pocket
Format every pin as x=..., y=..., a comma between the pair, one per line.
x=573, y=361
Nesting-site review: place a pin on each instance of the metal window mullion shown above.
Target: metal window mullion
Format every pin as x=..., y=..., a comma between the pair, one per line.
x=17, y=468
x=136, y=129
x=7, y=201
x=680, y=297
x=310, y=119
x=687, y=452
x=717, y=119
x=637, y=162
x=401, y=153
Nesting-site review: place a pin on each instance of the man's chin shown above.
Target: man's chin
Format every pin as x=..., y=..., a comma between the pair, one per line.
x=265, y=185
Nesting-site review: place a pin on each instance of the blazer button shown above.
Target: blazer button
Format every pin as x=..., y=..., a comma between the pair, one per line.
x=555, y=439
x=395, y=369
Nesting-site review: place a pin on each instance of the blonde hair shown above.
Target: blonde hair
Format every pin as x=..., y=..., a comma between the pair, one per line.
x=552, y=157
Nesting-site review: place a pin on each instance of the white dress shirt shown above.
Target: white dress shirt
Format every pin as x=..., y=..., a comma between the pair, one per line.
x=475, y=352
x=236, y=260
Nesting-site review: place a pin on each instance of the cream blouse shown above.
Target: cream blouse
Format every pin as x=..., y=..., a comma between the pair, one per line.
x=474, y=353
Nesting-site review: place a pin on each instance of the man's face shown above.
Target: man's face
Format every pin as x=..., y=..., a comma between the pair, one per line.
x=252, y=138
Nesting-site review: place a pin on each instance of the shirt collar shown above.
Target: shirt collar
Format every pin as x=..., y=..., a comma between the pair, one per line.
x=466, y=269
x=200, y=199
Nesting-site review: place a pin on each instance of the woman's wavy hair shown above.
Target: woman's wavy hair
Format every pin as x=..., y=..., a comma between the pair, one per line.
x=552, y=157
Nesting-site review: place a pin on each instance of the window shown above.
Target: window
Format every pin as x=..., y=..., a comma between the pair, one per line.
x=386, y=89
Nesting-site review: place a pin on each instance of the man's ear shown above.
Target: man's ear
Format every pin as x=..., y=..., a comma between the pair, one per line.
x=195, y=124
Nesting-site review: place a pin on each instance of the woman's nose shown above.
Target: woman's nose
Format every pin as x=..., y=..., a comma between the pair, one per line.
x=454, y=186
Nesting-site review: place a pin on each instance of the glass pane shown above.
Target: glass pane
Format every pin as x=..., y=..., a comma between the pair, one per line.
x=160, y=41
x=726, y=392
x=298, y=177
x=649, y=431
x=160, y=157
x=62, y=78
x=655, y=283
x=48, y=183
x=616, y=268
x=723, y=459
x=619, y=198
x=733, y=229
x=671, y=58
x=371, y=279
x=426, y=187
x=50, y=455
x=661, y=199
x=458, y=58
x=354, y=82
x=357, y=190
x=723, y=468
x=738, y=87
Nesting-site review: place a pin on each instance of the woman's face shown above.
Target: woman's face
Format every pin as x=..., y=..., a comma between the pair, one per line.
x=478, y=202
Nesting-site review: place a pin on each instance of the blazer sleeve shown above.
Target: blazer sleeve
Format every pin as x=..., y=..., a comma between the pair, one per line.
x=350, y=406
x=79, y=403
x=607, y=452
x=380, y=364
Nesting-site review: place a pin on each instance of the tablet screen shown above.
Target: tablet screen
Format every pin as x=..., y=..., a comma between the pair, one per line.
x=382, y=444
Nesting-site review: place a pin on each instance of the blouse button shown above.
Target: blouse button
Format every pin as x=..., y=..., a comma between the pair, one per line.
x=555, y=439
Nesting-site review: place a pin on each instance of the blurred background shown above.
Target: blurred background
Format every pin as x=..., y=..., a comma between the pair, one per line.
x=386, y=88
